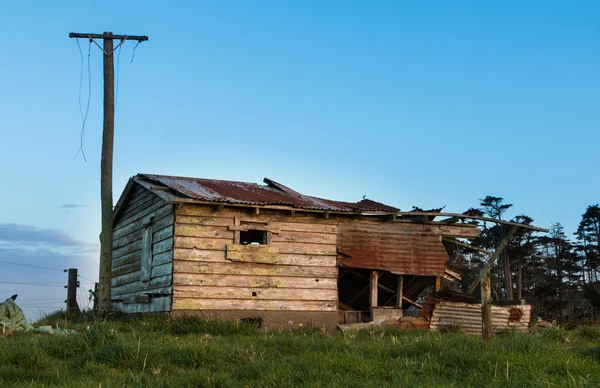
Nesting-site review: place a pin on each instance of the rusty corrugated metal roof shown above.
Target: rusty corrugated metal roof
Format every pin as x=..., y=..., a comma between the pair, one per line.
x=273, y=193
x=399, y=248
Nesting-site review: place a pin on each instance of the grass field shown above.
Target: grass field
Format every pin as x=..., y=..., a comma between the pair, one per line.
x=160, y=352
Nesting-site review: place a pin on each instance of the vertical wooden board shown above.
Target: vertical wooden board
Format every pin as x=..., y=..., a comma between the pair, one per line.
x=146, y=254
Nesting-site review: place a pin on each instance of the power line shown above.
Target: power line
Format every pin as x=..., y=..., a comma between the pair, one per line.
x=91, y=280
x=33, y=266
x=87, y=108
x=35, y=284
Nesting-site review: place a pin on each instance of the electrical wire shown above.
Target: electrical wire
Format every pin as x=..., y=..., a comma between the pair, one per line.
x=33, y=266
x=117, y=77
x=83, y=277
x=87, y=108
x=133, y=55
x=34, y=284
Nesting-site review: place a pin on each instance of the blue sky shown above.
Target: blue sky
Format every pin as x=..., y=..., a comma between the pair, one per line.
x=408, y=103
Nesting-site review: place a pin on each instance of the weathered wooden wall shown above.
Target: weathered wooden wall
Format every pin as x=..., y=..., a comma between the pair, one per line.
x=297, y=273
x=129, y=293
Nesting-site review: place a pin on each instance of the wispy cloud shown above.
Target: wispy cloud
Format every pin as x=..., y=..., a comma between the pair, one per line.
x=71, y=206
x=17, y=234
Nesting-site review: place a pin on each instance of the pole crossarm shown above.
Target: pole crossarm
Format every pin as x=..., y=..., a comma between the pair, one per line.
x=139, y=38
x=108, y=35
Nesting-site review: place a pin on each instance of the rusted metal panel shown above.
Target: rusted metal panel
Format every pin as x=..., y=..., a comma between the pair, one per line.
x=392, y=248
x=272, y=193
x=468, y=317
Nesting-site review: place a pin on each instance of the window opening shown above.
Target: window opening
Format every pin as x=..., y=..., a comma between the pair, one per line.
x=253, y=237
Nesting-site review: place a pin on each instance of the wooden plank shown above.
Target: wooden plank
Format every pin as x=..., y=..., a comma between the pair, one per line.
x=162, y=258
x=145, y=204
x=305, y=237
x=284, y=259
x=495, y=256
x=159, y=207
x=162, y=246
x=129, y=248
x=161, y=234
x=374, y=289
x=138, y=225
x=201, y=243
x=159, y=285
x=400, y=291
x=137, y=202
x=203, y=231
x=462, y=244
x=304, y=227
x=237, y=280
x=207, y=221
x=162, y=270
x=486, y=305
x=307, y=249
x=157, y=304
x=126, y=269
x=473, y=217
x=125, y=279
x=253, y=269
x=204, y=292
x=237, y=304
x=146, y=260
x=127, y=259
x=253, y=253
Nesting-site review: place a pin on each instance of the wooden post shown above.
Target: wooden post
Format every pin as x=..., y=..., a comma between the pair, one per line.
x=374, y=290
x=72, y=306
x=486, y=306
x=438, y=283
x=95, y=296
x=497, y=253
x=400, y=291
x=106, y=162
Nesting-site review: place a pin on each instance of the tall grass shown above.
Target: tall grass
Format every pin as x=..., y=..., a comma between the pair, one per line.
x=191, y=352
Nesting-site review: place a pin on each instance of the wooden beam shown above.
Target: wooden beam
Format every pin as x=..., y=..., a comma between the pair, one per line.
x=486, y=306
x=381, y=286
x=374, y=288
x=400, y=291
x=495, y=256
x=464, y=216
x=462, y=244
x=412, y=302
x=438, y=283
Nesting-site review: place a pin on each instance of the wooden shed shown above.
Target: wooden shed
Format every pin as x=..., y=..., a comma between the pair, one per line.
x=268, y=254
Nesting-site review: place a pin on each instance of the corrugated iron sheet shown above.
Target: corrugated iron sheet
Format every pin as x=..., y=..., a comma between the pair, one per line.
x=398, y=248
x=468, y=317
x=273, y=193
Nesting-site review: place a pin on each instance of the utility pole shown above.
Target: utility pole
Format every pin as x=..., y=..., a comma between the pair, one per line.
x=106, y=163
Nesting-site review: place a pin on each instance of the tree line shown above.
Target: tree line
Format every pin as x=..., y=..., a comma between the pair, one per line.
x=555, y=273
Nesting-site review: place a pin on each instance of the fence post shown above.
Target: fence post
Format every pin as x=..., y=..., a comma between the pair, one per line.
x=486, y=306
x=72, y=306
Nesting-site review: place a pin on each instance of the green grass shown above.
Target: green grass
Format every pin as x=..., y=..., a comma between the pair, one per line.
x=157, y=351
